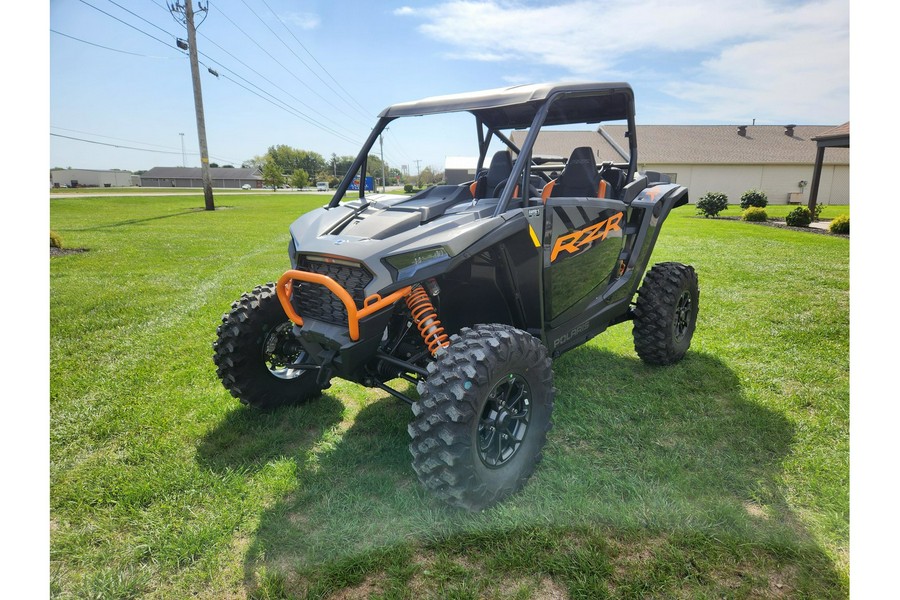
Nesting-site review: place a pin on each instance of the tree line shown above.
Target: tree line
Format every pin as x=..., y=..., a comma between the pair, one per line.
x=283, y=164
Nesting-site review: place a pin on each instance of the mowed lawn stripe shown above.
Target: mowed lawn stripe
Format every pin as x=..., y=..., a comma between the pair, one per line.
x=725, y=475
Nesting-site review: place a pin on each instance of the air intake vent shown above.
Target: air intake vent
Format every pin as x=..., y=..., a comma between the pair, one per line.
x=317, y=302
x=789, y=130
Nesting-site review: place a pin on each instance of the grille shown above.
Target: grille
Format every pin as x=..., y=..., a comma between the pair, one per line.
x=317, y=302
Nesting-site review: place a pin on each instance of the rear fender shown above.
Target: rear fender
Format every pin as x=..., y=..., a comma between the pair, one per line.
x=646, y=214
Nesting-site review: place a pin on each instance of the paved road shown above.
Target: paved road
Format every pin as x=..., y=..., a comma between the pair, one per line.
x=184, y=192
x=196, y=192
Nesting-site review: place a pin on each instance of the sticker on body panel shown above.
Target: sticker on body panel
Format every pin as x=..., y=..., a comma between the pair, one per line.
x=578, y=240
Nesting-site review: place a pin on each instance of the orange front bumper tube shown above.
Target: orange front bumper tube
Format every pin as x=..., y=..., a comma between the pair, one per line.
x=371, y=305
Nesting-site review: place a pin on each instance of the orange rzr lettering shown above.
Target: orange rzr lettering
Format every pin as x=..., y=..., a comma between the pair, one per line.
x=573, y=242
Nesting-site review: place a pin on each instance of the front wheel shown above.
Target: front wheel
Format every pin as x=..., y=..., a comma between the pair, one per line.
x=253, y=351
x=483, y=416
x=666, y=313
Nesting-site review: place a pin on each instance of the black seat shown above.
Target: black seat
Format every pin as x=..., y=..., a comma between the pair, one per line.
x=579, y=178
x=615, y=177
x=497, y=173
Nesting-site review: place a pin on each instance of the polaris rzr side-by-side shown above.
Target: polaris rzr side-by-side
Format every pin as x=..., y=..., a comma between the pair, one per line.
x=467, y=291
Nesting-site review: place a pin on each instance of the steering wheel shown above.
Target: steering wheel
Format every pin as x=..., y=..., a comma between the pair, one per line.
x=532, y=191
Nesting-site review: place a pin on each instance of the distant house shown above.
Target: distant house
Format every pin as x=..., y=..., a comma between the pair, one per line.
x=91, y=178
x=459, y=169
x=193, y=178
x=777, y=159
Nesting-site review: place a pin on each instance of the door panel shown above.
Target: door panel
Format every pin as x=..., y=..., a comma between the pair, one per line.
x=585, y=237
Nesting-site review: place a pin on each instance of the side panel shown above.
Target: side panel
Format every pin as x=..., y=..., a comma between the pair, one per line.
x=583, y=238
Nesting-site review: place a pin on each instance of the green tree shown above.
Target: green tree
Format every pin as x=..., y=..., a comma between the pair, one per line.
x=373, y=166
x=289, y=159
x=299, y=178
x=340, y=165
x=255, y=162
x=272, y=175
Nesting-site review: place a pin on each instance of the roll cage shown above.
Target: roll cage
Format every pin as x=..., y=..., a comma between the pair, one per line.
x=531, y=107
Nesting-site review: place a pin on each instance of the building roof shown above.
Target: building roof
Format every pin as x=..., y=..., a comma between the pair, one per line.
x=91, y=170
x=839, y=131
x=838, y=137
x=697, y=144
x=196, y=173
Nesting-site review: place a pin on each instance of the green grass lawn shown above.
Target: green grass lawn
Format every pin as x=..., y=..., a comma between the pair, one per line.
x=726, y=475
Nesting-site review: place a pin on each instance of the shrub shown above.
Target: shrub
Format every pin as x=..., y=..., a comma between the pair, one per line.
x=840, y=224
x=712, y=203
x=754, y=213
x=799, y=217
x=55, y=240
x=754, y=198
x=408, y=188
x=817, y=210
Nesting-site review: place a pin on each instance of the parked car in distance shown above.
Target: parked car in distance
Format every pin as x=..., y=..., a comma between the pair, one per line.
x=246, y=186
x=321, y=186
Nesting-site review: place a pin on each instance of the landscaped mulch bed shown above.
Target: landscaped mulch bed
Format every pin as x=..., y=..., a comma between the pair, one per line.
x=781, y=223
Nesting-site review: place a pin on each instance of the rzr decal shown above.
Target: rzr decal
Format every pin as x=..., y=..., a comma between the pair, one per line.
x=578, y=240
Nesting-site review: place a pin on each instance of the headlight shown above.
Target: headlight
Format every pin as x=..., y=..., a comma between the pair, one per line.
x=409, y=262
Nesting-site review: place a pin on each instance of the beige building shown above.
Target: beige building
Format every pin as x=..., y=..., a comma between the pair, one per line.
x=92, y=178
x=776, y=159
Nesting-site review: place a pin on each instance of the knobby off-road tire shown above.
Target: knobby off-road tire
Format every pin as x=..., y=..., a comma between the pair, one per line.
x=483, y=416
x=666, y=313
x=252, y=349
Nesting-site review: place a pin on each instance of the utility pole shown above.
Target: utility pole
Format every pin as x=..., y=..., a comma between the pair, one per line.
x=183, y=160
x=381, y=143
x=184, y=13
x=418, y=183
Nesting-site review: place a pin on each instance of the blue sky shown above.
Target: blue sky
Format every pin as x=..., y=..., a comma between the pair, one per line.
x=690, y=62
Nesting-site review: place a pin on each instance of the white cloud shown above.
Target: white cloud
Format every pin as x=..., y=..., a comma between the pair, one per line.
x=404, y=10
x=725, y=57
x=303, y=20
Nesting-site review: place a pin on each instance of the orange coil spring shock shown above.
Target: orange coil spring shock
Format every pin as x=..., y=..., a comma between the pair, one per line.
x=425, y=318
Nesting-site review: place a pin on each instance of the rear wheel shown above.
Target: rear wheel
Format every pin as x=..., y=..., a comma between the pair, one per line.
x=666, y=313
x=483, y=416
x=253, y=351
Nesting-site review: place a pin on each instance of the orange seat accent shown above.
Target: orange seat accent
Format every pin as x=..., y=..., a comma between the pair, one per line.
x=372, y=304
x=545, y=193
x=601, y=191
x=473, y=187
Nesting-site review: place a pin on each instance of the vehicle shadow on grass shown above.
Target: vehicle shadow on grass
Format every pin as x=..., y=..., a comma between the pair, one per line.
x=651, y=467
x=248, y=439
x=126, y=222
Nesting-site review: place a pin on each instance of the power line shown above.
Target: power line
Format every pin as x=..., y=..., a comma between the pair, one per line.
x=293, y=112
x=279, y=63
x=68, y=137
x=142, y=18
x=72, y=37
x=286, y=106
x=262, y=77
x=290, y=111
x=348, y=95
x=128, y=24
x=109, y=137
x=295, y=54
x=207, y=38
